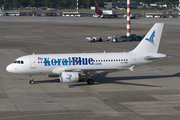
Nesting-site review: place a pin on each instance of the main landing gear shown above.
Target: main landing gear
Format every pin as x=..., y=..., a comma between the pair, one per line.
x=90, y=81
x=32, y=80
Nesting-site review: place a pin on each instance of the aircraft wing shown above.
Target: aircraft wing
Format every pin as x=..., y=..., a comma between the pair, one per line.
x=86, y=70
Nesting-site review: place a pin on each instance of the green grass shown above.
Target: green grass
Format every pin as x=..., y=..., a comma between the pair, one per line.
x=17, y=11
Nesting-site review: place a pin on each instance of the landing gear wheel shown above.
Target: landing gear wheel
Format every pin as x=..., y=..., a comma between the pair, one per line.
x=90, y=81
x=31, y=82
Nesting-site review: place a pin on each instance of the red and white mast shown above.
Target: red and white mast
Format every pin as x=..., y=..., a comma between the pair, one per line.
x=179, y=7
x=77, y=7
x=128, y=19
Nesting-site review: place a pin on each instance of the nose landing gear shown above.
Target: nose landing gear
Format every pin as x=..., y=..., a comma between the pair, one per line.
x=32, y=80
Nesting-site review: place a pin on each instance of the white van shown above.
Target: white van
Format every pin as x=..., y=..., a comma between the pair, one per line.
x=14, y=13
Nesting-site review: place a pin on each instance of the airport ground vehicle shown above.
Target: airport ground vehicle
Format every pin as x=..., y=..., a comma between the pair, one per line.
x=132, y=16
x=94, y=39
x=133, y=37
x=1, y=14
x=13, y=13
x=115, y=39
x=75, y=14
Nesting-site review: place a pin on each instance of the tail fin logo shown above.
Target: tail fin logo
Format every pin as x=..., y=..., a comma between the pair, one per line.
x=151, y=38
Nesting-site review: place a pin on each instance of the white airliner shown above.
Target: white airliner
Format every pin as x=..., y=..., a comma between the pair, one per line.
x=75, y=67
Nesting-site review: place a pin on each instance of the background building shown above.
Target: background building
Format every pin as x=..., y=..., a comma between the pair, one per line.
x=121, y=4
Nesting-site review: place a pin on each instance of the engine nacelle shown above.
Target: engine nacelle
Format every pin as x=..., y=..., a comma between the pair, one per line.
x=69, y=77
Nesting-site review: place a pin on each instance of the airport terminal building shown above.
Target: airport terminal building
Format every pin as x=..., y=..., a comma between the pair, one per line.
x=121, y=4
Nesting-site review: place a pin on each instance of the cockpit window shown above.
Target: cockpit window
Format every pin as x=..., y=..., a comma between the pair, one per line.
x=19, y=62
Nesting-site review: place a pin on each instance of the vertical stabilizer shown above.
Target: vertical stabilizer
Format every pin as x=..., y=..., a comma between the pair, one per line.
x=150, y=42
x=97, y=9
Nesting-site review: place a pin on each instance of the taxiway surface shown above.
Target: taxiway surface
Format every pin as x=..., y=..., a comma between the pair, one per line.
x=150, y=92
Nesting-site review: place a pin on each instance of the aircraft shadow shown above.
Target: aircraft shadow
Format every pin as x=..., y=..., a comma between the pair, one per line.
x=102, y=79
x=47, y=81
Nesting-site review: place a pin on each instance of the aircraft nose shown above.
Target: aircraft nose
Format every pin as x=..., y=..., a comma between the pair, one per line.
x=9, y=68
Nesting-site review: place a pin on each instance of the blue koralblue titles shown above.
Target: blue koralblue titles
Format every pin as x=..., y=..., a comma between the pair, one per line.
x=67, y=61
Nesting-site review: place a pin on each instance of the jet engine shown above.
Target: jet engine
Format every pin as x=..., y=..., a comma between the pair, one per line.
x=69, y=77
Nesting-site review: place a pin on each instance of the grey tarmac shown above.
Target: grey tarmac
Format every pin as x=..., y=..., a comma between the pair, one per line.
x=150, y=92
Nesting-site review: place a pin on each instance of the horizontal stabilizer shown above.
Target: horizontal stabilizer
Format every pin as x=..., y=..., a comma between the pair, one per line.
x=156, y=57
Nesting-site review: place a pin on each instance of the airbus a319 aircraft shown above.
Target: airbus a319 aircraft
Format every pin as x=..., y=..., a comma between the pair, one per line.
x=75, y=67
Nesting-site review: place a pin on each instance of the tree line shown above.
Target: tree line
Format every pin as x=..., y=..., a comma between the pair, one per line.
x=49, y=3
x=8, y=4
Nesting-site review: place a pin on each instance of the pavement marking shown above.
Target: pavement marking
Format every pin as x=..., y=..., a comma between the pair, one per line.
x=68, y=113
x=28, y=86
x=50, y=114
x=13, y=76
x=5, y=36
x=154, y=70
x=74, y=86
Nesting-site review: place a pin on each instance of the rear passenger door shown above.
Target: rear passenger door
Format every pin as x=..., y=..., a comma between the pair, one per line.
x=133, y=60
